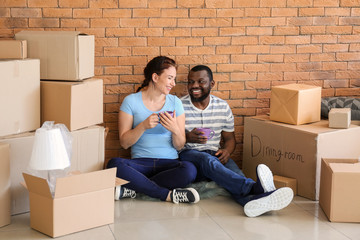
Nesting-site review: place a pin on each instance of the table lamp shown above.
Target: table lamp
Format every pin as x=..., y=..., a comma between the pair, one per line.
x=49, y=151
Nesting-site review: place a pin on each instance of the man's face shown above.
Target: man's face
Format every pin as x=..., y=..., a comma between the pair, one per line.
x=199, y=85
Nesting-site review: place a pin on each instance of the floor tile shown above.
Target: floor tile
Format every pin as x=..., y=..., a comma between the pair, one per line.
x=192, y=228
x=215, y=218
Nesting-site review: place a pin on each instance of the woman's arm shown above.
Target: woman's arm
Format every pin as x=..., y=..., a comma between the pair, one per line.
x=178, y=138
x=129, y=136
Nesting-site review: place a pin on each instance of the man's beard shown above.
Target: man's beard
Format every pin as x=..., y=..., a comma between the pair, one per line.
x=201, y=98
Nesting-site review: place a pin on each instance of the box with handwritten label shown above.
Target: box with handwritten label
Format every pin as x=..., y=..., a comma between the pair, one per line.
x=295, y=151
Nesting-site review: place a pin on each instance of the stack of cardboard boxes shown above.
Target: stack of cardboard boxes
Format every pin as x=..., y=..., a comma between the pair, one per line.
x=20, y=112
x=293, y=141
x=64, y=61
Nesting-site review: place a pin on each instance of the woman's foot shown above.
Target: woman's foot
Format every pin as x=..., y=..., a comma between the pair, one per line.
x=122, y=192
x=184, y=195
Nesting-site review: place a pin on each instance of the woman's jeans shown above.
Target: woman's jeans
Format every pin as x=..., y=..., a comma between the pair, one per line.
x=152, y=176
x=228, y=176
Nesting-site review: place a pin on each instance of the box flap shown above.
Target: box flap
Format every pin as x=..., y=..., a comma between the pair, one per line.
x=340, y=160
x=345, y=167
x=86, y=182
x=119, y=181
x=37, y=185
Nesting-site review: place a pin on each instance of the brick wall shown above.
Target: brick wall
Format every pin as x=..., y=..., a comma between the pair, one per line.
x=250, y=45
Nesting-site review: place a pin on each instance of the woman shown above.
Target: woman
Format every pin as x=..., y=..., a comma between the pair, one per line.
x=152, y=123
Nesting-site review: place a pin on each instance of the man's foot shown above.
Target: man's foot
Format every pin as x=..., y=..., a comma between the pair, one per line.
x=265, y=180
x=122, y=192
x=185, y=195
x=269, y=201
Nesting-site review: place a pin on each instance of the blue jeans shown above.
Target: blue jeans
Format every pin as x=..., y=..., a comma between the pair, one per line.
x=228, y=176
x=154, y=177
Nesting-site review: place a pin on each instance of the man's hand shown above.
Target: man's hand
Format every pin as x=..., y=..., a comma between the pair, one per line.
x=195, y=136
x=223, y=155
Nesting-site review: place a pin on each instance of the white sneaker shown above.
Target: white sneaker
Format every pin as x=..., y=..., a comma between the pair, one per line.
x=265, y=177
x=269, y=201
x=122, y=192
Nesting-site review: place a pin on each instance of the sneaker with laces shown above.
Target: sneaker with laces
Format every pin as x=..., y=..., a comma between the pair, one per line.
x=185, y=195
x=265, y=180
x=269, y=201
x=123, y=192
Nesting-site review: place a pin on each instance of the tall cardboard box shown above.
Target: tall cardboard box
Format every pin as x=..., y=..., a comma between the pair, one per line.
x=339, y=189
x=5, y=197
x=13, y=49
x=80, y=202
x=88, y=153
x=64, y=55
x=75, y=104
x=296, y=151
x=19, y=96
x=295, y=103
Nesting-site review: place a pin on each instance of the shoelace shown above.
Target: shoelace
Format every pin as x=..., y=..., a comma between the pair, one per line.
x=180, y=196
x=128, y=193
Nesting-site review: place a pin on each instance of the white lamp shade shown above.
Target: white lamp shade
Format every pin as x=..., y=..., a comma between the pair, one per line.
x=49, y=152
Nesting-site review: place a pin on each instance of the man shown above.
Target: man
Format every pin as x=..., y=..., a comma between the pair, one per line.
x=212, y=160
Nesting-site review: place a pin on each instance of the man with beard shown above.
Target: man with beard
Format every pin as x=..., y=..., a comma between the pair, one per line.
x=203, y=110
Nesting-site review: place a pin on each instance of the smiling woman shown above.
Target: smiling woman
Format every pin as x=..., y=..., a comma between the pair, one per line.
x=154, y=135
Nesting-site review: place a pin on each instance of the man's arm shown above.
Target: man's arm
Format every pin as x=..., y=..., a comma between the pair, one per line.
x=228, y=147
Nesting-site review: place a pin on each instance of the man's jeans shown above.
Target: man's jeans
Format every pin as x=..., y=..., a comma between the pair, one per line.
x=154, y=177
x=228, y=176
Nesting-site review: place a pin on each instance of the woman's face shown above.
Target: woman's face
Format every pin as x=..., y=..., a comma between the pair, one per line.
x=166, y=80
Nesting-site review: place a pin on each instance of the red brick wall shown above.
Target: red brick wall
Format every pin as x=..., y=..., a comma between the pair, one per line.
x=250, y=45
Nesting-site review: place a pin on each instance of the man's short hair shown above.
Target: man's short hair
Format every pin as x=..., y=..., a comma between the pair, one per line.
x=201, y=68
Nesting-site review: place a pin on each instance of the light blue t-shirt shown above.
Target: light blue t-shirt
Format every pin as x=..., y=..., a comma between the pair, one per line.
x=155, y=142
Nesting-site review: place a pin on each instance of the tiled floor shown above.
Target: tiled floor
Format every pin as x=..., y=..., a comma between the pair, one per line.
x=216, y=218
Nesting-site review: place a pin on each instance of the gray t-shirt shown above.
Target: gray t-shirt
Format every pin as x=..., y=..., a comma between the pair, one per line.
x=217, y=116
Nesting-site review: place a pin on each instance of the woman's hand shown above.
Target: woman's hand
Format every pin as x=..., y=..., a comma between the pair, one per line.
x=176, y=125
x=169, y=122
x=151, y=121
x=128, y=136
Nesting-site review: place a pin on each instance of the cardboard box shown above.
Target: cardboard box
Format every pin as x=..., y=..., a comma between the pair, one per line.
x=75, y=104
x=295, y=151
x=13, y=49
x=64, y=55
x=80, y=202
x=5, y=199
x=339, y=189
x=19, y=96
x=339, y=118
x=295, y=104
x=281, y=181
x=87, y=155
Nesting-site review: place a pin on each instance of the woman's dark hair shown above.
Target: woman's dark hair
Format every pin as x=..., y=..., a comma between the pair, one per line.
x=156, y=65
